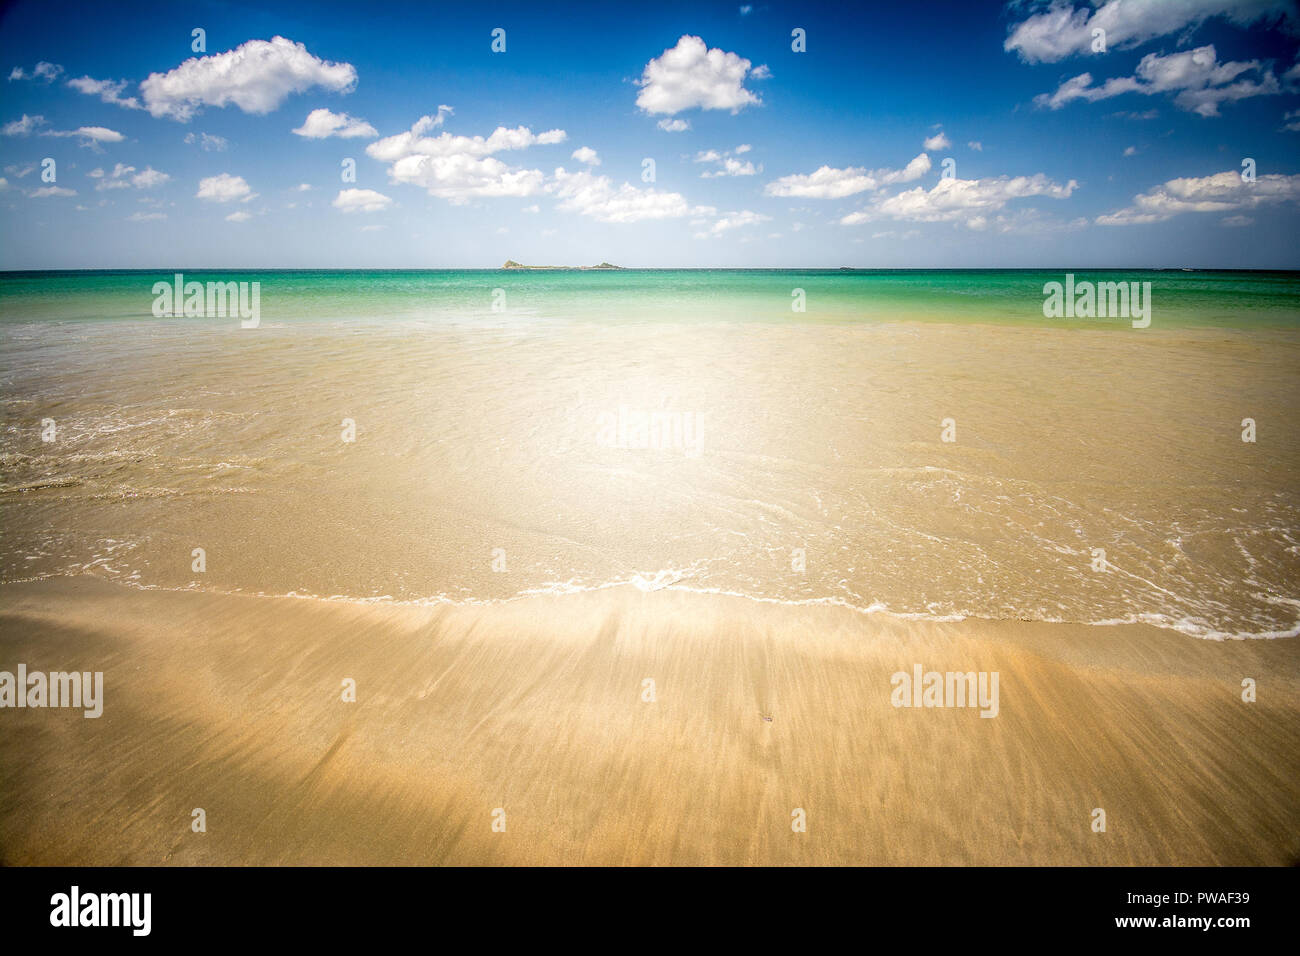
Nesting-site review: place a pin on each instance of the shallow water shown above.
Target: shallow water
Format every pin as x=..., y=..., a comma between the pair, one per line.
x=655, y=430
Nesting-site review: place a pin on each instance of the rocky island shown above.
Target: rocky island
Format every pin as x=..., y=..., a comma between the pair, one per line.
x=511, y=264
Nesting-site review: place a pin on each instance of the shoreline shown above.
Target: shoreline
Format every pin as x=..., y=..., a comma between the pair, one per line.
x=534, y=706
x=635, y=585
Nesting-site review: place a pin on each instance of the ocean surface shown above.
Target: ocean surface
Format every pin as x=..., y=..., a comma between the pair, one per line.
x=1202, y=298
x=460, y=436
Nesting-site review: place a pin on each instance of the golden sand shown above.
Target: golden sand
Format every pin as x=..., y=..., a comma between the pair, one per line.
x=233, y=704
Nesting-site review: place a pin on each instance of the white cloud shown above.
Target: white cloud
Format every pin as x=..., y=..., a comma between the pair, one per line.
x=674, y=125
x=107, y=90
x=99, y=134
x=732, y=167
x=937, y=142
x=239, y=216
x=459, y=168
x=49, y=72
x=22, y=127
x=976, y=145
x=123, y=177
x=1236, y=221
x=361, y=200
x=45, y=191
x=145, y=216
x=596, y=196
x=968, y=201
x=726, y=163
x=830, y=183
x=256, y=76
x=690, y=75
x=208, y=143
x=587, y=155
x=732, y=220
x=321, y=124
x=1061, y=31
x=90, y=136
x=224, y=188
x=1291, y=121
x=1220, y=192
x=303, y=188
x=1199, y=81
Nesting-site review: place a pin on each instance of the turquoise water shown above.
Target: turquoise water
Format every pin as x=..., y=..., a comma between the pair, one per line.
x=1229, y=299
x=384, y=434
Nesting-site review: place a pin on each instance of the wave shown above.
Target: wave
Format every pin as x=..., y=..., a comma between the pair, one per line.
x=672, y=580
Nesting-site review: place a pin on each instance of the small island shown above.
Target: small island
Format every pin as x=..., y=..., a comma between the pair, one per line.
x=511, y=264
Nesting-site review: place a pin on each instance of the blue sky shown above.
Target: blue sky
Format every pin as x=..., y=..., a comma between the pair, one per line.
x=763, y=156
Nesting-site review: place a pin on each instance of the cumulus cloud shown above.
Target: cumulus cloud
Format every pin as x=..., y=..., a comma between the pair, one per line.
x=830, y=183
x=967, y=201
x=937, y=142
x=109, y=91
x=1199, y=81
x=674, y=125
x=239, y=216
x=24, y=126
x=256, y=76
x=726, y=163
x=732, y=220
x=224, y=188
x=691, y=75
x=595, y=196
x=1224, y=192
x=1062, y=31
x=459, y=168
x=208, y=143
x=361, y=200
x=322, y=123
x=49, y=72
x=587, y=155
x=125, y=177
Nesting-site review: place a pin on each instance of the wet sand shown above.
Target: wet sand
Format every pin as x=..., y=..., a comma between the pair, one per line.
x=233, y=704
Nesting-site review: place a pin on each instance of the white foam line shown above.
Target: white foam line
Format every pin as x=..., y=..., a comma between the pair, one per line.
x=1187, y=626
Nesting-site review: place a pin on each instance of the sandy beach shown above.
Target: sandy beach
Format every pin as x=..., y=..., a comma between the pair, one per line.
x=635, y=591
x=535, y=707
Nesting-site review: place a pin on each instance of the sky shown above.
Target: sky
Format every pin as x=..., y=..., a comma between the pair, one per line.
x=1124, y=133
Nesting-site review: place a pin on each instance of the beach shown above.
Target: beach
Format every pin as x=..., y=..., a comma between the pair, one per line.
x=615, y=578
x=232, y=704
